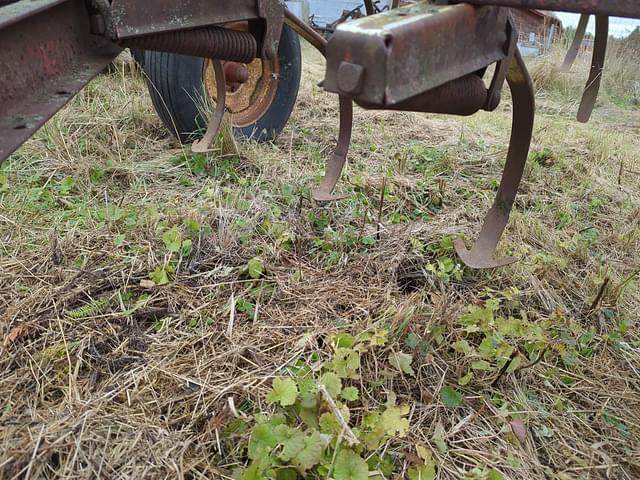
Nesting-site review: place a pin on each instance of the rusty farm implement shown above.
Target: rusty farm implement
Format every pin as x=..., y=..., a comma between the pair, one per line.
x=430, y=56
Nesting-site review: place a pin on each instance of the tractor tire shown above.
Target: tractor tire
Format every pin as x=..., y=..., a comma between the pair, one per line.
x=182, y=89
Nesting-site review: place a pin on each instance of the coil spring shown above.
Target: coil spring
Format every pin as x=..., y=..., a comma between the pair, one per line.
x=208, y=42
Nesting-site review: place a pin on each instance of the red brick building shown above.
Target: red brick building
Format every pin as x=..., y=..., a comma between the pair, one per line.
x=537, y=30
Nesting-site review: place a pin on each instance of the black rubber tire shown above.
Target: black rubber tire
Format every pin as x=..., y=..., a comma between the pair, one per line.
x=176, y=87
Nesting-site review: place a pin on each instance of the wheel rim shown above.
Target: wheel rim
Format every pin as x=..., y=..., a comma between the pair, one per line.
x=252, y=98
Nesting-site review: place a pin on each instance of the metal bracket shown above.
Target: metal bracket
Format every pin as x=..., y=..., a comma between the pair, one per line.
x=273, y=13
x=483, y=253
x=502, y=67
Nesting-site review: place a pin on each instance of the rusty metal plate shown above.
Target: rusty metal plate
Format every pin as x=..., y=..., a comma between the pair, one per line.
x=48, y=54
x=396, y=55
x=612, y=8
x=135, y=18
x=16, y=11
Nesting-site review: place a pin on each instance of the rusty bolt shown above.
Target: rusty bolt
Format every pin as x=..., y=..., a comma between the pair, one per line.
x=350, y=78
x=235, y=72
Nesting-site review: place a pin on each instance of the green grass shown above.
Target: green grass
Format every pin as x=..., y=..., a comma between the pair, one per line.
x=164, y=312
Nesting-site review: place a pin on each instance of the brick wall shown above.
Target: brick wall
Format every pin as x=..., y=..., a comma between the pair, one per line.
x=535, y=32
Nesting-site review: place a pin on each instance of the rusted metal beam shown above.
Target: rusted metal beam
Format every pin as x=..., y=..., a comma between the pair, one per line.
x=136, y=18
x=129, y=19
x=396, y=55
x=48, y=54
x=612, y=8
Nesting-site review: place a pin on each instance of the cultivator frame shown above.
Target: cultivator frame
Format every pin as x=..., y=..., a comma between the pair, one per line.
x=426, y=57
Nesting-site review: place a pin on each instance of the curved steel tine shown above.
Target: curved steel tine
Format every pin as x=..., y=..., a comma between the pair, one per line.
x=483, y=253
x=338, y=160
x=592, y=88
x=335, y=165
x=204, y=144
x=573, y=51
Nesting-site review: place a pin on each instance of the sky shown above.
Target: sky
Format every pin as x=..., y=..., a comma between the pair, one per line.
x=619, y=27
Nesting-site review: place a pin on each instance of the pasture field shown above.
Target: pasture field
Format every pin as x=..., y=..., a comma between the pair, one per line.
x=171, y=315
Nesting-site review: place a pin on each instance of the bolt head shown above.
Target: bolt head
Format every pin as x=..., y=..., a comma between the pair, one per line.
x=350, y=78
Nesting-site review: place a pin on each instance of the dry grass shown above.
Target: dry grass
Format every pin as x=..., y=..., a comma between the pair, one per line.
x=621, y=79
x=138, y=385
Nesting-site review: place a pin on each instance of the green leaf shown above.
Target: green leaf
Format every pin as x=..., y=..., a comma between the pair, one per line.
x=186, y=248
x=256, y=267
x=172, y=240
x=245, y=306
x=481, y=365
x=424, y=472
x=515, y=364
x=402, y=362
x=413, y=340
x=450, y=397
x=466, y=379
x=329, y=424
x=308, y=399
x=311, y=453
x=384, y=465
x=350, y=466
x=283, y=391
x=373, y=430
x=263, y=440
x=462, y=346
x=346, y=363
x=494, y=475
x=332, y=383
x=286, y=474
x=160, y=275
x=437, y=334
x=343, y=340
x=439, y=438
x=393, y=422
x=291, y=439
x=65, y=185
x=350, y=394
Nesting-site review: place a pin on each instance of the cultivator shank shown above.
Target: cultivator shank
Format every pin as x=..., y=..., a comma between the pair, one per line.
x=427, y=57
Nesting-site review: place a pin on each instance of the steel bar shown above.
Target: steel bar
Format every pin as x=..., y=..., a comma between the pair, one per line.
x=128, y=18
x=136, y=18
x=483, y=253
x=48, y=54
x=574, y=49
x=612, y=8
x=335, y=165
x=591, y=90
x=204, y=144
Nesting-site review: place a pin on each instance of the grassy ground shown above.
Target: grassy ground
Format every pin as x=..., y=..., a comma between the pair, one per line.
x=164, y=314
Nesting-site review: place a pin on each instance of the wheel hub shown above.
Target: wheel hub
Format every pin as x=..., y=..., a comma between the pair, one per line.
x=252, y=88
